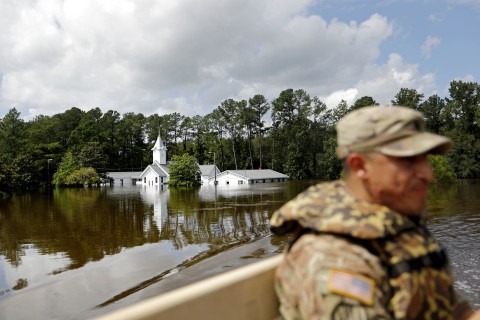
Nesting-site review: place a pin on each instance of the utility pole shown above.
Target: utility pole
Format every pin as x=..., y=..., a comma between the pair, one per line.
x=214, y=168
x=49, y=184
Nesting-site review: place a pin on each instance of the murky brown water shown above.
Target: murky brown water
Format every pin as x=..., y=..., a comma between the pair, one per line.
x=122, y=239
x=454, y=219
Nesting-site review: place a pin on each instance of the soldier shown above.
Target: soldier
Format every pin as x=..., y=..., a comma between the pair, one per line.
x=361, y=249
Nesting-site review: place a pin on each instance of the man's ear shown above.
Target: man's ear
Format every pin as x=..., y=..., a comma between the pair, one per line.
x=356, y=164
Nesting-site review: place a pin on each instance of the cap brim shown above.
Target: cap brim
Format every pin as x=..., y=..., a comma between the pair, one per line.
x=422, y=142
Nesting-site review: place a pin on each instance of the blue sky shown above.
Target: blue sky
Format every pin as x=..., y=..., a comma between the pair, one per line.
x=450, y=25
x=186, y=56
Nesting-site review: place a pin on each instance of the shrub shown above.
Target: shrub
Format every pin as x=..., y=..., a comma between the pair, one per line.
x=184, y=172
x=442, y=170
x=83, y=176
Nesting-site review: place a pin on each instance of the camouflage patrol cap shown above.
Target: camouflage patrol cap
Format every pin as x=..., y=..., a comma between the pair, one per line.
x=391, y=130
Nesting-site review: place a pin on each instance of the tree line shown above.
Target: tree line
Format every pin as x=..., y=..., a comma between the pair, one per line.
x=293, y=134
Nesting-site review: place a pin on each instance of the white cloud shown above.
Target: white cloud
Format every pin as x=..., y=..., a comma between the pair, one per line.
x=428, y=45
x=384, y=81
x=186, y=56
x=466, y=78
x=349, y=95
x=472, y=3
x=435, y=17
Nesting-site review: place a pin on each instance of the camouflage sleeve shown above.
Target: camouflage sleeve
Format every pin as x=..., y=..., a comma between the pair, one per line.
x=326, y=277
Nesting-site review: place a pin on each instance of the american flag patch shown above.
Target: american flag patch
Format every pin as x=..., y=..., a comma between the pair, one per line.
x=351, y=285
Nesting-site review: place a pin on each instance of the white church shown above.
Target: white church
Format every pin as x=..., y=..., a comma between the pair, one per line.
x=158, y=174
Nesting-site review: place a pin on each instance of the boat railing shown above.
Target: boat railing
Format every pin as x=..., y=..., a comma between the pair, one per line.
x=244, y=293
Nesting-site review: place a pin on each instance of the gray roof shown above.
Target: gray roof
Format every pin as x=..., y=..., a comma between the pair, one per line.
x=207, y=169
x=257, y=174
x=124, y=175
x=158, y=169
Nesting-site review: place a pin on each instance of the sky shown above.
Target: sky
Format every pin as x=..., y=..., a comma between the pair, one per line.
x=187, y=56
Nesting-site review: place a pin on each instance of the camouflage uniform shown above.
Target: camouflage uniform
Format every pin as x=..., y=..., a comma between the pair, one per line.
x=357, y=260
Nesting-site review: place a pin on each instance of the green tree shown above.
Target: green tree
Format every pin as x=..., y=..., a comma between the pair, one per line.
x=442, y=170
x=153, y=124
x=185, y=132
x=290, y=106
x=6, y=172
x=464, y=105
x=69, y=120
x=43, y=142
x=340, y=111
x=247, y=119
x=365, y=101
x=260, y=106
x=43, y=132
x=22, y=160
x=108, y=137
x=408, y=98
x=432, y=109
x=461, y=118
x=83, y=176
x=198, y=134
x=329, y=165
x=176, y=120
x=19, y=175
x=26, y=173
x=12, y=134
x=184, y=172
x=463, y=157
x=67, y=166
x=218, y=125
x=321, y=118
x=290, y=115
x=88, y=129
x=131, y=140
x=231, y=112
x=91, y=155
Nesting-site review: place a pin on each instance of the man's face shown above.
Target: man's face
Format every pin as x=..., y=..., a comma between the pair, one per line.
x=399, y=183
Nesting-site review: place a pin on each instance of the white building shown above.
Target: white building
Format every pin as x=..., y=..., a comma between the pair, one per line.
x=124, y=178
x=157, y=172
x=208, y=171
x=236, y=177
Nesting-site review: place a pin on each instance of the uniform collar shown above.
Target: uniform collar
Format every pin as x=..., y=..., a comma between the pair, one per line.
x=326, y=207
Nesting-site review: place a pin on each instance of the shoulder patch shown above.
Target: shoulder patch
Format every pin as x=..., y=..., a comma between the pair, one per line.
x=352, y=285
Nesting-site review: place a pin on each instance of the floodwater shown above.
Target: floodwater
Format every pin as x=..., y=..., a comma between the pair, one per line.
x=75, y=250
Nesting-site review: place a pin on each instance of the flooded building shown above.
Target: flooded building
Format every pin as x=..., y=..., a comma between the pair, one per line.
x=236, y=177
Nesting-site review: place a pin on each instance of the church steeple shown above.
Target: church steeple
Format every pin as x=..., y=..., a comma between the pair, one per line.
x=160, y=151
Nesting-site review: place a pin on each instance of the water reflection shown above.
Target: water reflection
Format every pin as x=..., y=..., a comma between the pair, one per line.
x=44, y=235
x=69, y=228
